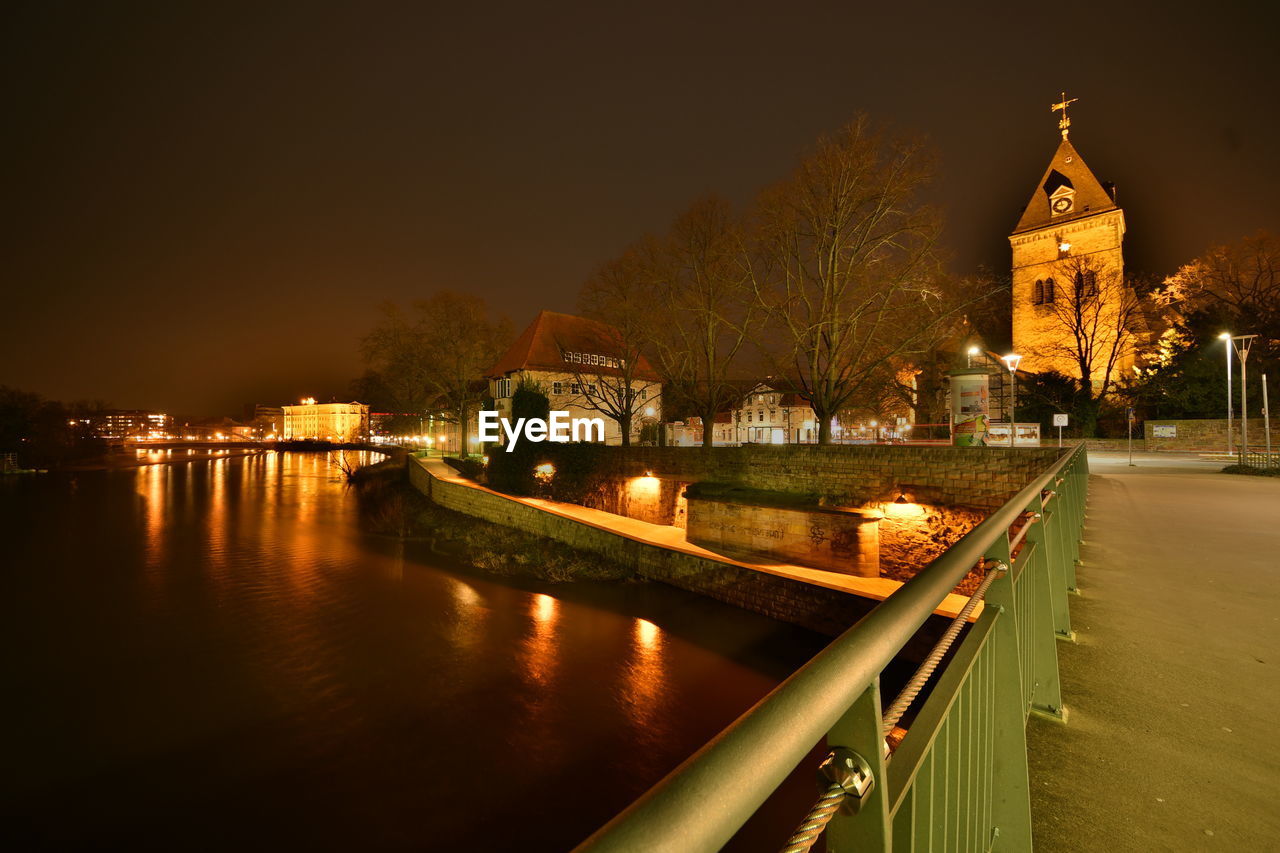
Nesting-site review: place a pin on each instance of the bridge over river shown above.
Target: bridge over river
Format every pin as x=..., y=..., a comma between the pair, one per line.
x=1173, y=685
x=1119, y=691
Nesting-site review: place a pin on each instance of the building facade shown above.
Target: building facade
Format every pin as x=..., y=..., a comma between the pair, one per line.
x=769, y=415
x=130, y=424
x=580, y=366
x=1067, y=247
x=343, y=423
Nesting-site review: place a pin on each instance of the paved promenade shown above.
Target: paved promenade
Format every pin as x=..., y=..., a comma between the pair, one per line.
x=673, y=538
x=1173, y=686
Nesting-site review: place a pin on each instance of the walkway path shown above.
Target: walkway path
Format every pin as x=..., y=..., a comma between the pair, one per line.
x=1173, y=687
x=673, y=538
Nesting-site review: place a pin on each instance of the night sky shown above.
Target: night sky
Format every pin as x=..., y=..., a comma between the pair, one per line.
x=206, y=202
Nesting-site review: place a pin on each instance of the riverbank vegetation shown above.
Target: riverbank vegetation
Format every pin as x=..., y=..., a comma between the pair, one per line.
x=390, y=506
x=47, y=433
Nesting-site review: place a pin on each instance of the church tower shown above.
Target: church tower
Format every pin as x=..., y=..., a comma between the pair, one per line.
x=1068, y=269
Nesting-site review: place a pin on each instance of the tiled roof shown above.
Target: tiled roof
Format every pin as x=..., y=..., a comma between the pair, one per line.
x=552, y=338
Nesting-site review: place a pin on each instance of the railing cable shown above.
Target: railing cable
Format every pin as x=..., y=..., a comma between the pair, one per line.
x=831, y=799
x=921, y=676
x=806, y=834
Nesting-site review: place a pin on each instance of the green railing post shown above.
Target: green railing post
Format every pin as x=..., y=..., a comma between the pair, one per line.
x=1046, y=696
x=960, y=776
x=1055, y=520
x=1078, y=475
x=1011, y=787
x=1073, y=522
x=860, y=730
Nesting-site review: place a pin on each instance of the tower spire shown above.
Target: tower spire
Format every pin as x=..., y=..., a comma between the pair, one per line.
x=1064, y=123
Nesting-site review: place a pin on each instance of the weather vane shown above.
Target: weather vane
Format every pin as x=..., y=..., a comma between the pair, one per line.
x=1064, y=123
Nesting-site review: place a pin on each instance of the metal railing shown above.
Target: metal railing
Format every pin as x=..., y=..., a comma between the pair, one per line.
x=1259, y=459
x=958, y=778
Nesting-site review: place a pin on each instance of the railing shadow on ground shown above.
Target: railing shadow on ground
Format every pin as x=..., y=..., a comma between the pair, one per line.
x=957, y=779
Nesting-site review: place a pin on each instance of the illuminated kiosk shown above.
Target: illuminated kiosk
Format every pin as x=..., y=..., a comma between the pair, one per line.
x=783, y=527
x=970, y=406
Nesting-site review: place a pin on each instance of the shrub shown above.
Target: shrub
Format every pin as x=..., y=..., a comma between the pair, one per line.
x=513, y=472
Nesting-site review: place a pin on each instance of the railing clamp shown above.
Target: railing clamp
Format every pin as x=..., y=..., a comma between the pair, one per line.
x=852, y=773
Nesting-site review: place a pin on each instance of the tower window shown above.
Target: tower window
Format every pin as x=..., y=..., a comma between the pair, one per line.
x=1048, y=290
x=1038, y=298
x=1086, y=284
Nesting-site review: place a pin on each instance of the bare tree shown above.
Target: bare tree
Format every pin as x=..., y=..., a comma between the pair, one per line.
x=430, y=357
x=1097, y=316
x=347, y=466
x=843, y=264
x=1237, y=283
x=615, y=379
x=704, y=311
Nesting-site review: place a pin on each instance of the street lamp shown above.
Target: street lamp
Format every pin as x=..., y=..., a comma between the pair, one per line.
x=1225, y=337
x=1241, y=344
x=1011, y=360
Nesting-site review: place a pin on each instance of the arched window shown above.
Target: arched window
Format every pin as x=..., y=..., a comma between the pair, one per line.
x=1086, y=284
x=1048, y=290
x=1038, y=299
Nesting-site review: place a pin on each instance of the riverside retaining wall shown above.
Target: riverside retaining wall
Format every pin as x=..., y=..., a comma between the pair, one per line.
x=817, y=608
x=849, y=475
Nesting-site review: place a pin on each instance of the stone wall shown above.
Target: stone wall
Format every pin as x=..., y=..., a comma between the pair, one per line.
x=848, y=475
x=1208, y=434
x=833, y=539
x=819, y=609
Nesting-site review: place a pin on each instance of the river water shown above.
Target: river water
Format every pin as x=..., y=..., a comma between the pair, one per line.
x=211, y=654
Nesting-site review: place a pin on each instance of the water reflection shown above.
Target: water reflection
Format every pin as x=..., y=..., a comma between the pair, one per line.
x=538, y=652
x=218, y=638
x=643, y=680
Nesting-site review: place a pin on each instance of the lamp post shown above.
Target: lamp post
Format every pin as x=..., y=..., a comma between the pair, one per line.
x=1012, y=360
x=1242, y=343
x=1266, y=418
x=1225, y=337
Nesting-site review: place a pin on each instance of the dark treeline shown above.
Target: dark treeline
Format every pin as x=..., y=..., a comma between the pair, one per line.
x=46, y=433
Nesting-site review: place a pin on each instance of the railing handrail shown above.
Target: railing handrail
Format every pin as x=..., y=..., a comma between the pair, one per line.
x=701, y=804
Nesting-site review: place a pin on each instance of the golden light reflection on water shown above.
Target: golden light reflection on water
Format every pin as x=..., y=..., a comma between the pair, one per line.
x=538, y=652
x=470, y=615
x=152, y=484
x=643, y=680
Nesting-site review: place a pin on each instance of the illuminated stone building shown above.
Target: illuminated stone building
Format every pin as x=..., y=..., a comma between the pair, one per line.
x=579, y=365
x=769, y=415
x=338, y=422
x=1070, y=236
